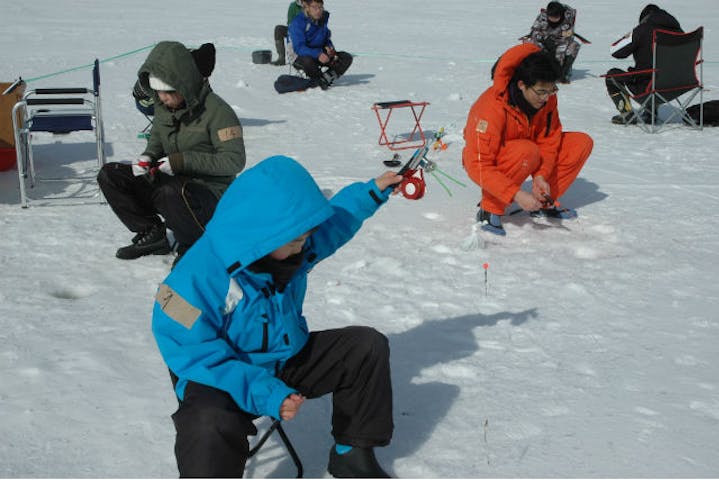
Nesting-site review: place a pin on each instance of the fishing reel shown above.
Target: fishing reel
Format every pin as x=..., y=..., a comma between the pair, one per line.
x=413, y=186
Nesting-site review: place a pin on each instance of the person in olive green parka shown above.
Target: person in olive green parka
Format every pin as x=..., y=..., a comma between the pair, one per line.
x=195, y=150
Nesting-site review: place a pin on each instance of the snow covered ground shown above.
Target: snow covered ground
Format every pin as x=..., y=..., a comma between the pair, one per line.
x=591, y=351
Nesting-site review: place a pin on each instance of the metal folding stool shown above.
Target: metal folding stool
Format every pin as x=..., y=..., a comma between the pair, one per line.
x=277, y=425
x=415, y=139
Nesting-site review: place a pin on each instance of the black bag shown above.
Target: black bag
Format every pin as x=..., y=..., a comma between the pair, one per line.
x=711, y=113
x=293, y=83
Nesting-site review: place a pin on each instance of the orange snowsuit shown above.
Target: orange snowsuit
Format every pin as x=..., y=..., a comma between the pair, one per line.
x=503, y=147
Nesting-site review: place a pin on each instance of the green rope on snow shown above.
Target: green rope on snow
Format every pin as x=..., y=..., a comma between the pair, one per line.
x=451, y=177
x=358, y=54
x=449, y=192
x=89, y=65
x=446, y=189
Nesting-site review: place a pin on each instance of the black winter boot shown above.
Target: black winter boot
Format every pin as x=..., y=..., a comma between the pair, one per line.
x=357, y=463
x=491, y=222
x=567, y=69
x=280, y=46
x=622, y=102
x=151, y=242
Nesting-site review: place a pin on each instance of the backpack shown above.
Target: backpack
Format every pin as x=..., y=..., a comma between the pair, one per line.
x=711, y=113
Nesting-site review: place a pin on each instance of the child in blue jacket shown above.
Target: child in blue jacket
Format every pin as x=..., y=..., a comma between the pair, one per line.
x=228, y=322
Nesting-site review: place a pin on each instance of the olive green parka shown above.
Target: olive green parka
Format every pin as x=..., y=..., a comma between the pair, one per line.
x=202, y=139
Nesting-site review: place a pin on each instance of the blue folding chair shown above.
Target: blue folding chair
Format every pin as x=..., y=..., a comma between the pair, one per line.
x=57, y=111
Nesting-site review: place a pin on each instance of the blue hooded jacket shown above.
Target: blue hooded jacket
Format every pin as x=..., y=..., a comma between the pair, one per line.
x=218, y=323
x=309, y=37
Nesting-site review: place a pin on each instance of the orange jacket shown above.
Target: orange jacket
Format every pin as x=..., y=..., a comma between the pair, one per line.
x=492, y=122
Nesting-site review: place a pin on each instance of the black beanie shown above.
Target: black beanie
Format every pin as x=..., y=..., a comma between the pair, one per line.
x=204, y=59
x=555, y=9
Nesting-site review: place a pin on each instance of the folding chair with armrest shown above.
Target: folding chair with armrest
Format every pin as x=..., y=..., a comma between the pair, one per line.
x=56, y=111
x=676, y=58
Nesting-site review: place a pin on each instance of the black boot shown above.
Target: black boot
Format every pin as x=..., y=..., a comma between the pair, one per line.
x=280, y=46
x=327, y=78
x=357, y=463
x=280, y=35
x=626, y=118
x=567, y=69
x=622, y=102
x=151, y=242
x=491, y=222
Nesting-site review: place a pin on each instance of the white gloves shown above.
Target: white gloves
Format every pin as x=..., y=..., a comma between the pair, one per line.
x=144, y=165
x=164, y=166
x=141, y=166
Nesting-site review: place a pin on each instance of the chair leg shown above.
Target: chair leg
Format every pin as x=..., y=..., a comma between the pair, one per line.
x=290, y=450
x=21, y=149
x=277, y=425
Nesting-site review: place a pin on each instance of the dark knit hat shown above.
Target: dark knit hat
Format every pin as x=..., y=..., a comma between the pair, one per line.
x=555, y=9
x=204, y=58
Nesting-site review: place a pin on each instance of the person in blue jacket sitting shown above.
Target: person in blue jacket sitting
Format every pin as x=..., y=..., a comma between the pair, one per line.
x=228, y=322
x=311, y=41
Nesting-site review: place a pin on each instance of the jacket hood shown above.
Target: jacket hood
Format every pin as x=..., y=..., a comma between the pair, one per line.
x=173, y=63
x=508, y=63
x=662, y=19
x=264, y=208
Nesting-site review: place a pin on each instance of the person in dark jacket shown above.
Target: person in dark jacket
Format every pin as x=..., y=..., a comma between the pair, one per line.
x=638, y=44
x=281, y=31
x=194, y=152
x=311, y=41
x=228, y=321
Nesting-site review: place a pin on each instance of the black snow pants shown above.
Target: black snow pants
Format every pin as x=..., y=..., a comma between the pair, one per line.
x=311, y=66
x=352, y=363
x=619, y=88
x=138, y=201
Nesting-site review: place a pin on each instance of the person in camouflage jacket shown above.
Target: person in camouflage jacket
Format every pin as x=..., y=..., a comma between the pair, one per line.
x=195, y=150
x=553, y=31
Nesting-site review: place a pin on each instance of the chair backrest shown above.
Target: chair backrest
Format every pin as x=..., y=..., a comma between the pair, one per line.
x=676, y=56
x=96, y=78
x=54, y=113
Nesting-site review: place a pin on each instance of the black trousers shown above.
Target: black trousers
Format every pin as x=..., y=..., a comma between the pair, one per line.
x=351, y=363
x=311, y=66
x=628, y=85
x=139, y=201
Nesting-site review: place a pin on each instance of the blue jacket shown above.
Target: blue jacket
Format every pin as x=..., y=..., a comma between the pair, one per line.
x=218, y=323
x=308, y=37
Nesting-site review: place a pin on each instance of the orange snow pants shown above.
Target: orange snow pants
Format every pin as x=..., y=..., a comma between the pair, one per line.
x=519, y=159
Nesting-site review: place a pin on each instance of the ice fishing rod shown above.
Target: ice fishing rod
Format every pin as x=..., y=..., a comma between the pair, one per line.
x=413, y=185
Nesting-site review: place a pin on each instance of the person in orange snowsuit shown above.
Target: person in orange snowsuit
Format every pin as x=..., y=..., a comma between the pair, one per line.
x=513, y=131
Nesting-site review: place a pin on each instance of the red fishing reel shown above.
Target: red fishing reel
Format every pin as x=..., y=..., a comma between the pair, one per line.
x=413, y=186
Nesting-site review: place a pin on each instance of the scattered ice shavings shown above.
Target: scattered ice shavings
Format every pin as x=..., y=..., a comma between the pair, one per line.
x=432, y=216
x=586, y=253
x=686, y=360
x=646, y=411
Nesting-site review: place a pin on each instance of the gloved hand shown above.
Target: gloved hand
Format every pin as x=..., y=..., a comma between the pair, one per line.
x=141, y=166
x=163, y=165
